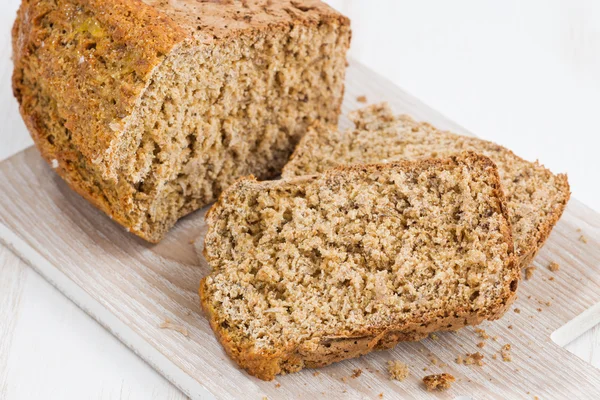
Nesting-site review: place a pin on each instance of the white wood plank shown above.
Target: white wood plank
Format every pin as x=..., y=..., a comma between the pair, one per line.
x=13, y=275
x=131, y=287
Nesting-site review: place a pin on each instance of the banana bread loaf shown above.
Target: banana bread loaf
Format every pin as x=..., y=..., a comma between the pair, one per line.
x=150, y=108
x=312, y=270
x=536, y=198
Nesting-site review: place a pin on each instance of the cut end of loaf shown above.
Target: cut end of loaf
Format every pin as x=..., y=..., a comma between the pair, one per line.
x=312, y=270
x=157, y=128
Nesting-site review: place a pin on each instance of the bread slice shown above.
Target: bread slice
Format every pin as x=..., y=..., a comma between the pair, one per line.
x=150, y=108
x=536, y=198
x=312, y=270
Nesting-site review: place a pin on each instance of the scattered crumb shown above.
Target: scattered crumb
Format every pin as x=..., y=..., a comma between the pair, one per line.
x=344, y=379
x=316, y=373
x=459, y=359
x=510, y=327
x=362, y=99
x=397, y=370
x=480, y=344
x=539, y=310
x=167, y=324
x=381, y=395
x=356, y=373
x=494, y=356
x=482, y=333
x=517, y=310
x=529, y=272
x=582, y=239
x=505, y=352
x=495, y=338
x=265, y=398
x=548, y=303
x=438, y=382
x=278, y=385
x=425, y=368
x=433, y=336
x=475, y=358
x=578, y=229
x=553, y=266
x=551, y=278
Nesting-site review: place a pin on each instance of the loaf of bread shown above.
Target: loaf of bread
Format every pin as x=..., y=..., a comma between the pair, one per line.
x=312, y=270
x=149, y=109
x=536, y=198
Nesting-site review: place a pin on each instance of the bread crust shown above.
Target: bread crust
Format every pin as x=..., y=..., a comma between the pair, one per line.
x=81, y=68
x=327, y=350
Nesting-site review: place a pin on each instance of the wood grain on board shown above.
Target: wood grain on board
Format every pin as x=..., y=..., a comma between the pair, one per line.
x=132, y=287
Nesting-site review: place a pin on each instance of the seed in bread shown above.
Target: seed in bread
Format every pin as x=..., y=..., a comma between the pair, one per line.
x=312, y=270
x=536, y=198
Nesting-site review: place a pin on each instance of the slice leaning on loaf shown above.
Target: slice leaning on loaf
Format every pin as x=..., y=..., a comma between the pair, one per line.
x=315, y=269
x=536, y=198
x=149, y=109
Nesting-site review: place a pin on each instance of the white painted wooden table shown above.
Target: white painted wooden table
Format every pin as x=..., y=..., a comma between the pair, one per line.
x=465, y=58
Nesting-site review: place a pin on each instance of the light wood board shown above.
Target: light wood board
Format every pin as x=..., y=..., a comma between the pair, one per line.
x=131, y=287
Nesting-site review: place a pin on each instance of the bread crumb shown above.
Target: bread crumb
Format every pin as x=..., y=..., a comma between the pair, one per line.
x=316, y=373
x=494, y=356
x=54, y=163
x=433, y=336
x=517, y=310
x=582, y=239
x=459, y=359
x=551, y=278
x=480, y=344
x=529, y=272
x=553, y=266
x=482, y=333
x=539, y=310
x=167, y=324
x=381, y=395
x=397, y=370
x=438, y=382
x=278, y=385
x=505, y=352
x=474, y=358
x=344, y=379
x=510, y=327
x=356, y=373
x=362, y=99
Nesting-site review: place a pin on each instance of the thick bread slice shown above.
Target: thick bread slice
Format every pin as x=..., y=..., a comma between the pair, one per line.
x=312, y=270
x=536, y=198
x=149, y=109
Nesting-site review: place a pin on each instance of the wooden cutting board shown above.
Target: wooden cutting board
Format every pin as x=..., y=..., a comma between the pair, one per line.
x=132, y=288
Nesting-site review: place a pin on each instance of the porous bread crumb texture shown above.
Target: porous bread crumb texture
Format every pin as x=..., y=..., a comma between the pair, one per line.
x=397, y=370
x=152, y=109
x=439, y=382
x=316, y=269
x=536, y=198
